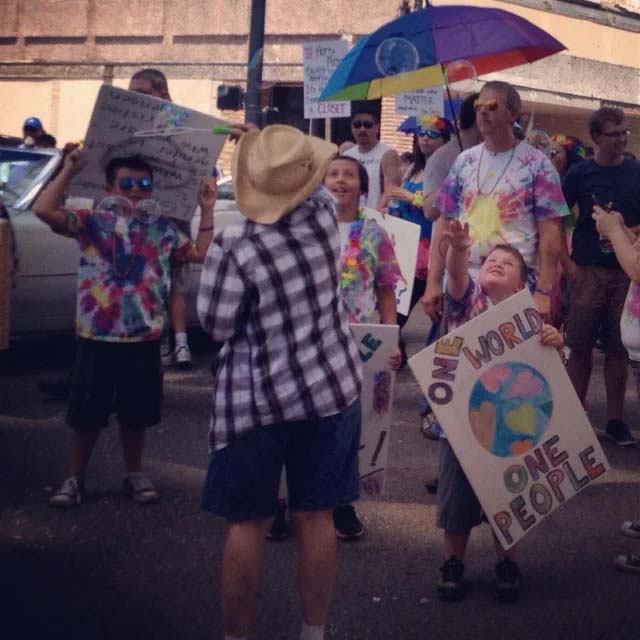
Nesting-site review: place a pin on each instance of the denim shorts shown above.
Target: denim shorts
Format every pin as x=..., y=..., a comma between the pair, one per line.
x=120, y=377
x=320, y=456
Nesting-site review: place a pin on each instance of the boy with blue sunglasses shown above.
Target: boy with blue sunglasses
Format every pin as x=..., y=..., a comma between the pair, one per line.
x=126, y=252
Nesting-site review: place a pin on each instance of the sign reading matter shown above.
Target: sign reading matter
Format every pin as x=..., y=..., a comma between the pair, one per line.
x=420, y=102
x=320, y=58
x=511, y=415
x=376, y=343
x=176, y=141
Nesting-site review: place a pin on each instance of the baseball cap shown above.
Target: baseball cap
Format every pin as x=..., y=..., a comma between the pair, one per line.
x=32, y=123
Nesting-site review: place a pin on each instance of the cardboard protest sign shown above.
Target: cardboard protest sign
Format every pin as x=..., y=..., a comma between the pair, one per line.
x=420, y=101
x=405, y=237
x=511, y=415
x=125, y=123
x=376, y=342
x=319, y=60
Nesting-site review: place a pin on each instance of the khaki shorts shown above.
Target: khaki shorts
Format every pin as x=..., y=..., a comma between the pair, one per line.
x=180, y=277
x=596, y=297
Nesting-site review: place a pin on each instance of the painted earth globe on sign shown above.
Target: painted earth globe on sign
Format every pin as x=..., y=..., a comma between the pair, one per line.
x=510, y=408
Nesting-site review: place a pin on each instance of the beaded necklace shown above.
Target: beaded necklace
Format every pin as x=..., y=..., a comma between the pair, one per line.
x=506, y=166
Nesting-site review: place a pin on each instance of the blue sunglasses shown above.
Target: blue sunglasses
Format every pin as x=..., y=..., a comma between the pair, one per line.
x=430, y=133
x=126, y=184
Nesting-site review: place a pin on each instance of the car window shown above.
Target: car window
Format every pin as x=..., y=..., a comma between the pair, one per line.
x=225, y=189
x=23, y=173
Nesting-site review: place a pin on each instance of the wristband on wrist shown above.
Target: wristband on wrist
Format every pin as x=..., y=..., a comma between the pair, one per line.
x=544, y=292
x=418, y=199
x=205, y=228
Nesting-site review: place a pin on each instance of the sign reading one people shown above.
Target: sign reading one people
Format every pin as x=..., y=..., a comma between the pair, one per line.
x=511, y=415
x=420, y=101
x=405, y=237
x=376, y=343
x=319, y=60
x=176, y=141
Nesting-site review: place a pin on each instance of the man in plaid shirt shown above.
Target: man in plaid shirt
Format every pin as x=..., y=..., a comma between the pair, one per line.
x=287, y=378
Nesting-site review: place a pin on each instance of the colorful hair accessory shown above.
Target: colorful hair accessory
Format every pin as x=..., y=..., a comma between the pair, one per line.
x=569, y=143
x=436, y=122
x=418, y=199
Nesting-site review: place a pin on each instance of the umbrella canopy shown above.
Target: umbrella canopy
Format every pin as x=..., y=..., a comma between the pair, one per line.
x=410, y=52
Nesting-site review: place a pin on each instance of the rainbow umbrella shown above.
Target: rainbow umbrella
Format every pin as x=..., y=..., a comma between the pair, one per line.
x=413, y=51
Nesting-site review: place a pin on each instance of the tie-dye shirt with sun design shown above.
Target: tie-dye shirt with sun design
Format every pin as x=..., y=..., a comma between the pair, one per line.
x=630, y=319
x=123, y=273
x=527, y=190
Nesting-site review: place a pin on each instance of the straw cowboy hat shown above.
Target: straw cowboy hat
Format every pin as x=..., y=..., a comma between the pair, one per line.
x=276, y=169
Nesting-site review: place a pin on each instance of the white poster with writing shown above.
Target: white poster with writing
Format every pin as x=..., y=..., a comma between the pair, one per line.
x=405, y=237
x=376, y=343
x=420, y=101
x=176, y=141
x=509, y=410
x=319, y=60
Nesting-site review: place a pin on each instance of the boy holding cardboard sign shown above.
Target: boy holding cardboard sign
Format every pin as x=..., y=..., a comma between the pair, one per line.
x=123, y=286
x=502, y=274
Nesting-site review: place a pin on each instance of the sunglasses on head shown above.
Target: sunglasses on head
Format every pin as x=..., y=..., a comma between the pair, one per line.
x=430, y=133
x=357, y=124
x=126, y=184
x=617, y=134
x=492, y=105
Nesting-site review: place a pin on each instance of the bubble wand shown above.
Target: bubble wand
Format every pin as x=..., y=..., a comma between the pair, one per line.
x=216, y=130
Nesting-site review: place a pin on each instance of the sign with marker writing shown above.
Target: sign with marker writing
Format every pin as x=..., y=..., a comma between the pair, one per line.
x=176, y=141
x=376, y=343
x=509, y=410
x=405, y=237
x=319, y=60
x=420, y=102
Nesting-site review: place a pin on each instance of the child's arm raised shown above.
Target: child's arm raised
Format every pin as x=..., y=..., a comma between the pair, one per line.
x=457, y=258
x=610, y=225
x=207, y=200
x=46, y=204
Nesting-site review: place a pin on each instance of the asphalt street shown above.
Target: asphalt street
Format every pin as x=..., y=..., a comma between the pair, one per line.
x=111, y=569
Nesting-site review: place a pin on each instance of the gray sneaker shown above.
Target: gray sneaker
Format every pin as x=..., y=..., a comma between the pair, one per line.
x=631, y=529
x=166, y=354
x=183, y=357
x=68, y=495
x=139, y=487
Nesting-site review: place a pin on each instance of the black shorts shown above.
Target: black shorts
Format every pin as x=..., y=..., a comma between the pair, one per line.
x=125, y=377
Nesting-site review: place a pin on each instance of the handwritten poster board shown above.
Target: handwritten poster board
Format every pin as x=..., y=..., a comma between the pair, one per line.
x=319, y=60
x=180, y=161
x=405, y=237
x=420, y=101
x=511, y=415
x=376, y=342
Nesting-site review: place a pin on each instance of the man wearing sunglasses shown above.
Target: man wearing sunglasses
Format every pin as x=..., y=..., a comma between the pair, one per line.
x=126, y=250
x=508, y=192
x=597, y=283
x=380, y=160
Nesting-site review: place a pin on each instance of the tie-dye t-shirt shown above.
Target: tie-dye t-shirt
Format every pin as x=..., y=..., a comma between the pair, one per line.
x=123, y=273
x=502, y=198
x=630, y=319
x=369, y=261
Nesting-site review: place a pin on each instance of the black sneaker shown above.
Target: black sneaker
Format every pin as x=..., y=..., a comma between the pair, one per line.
x=619, y=432
x=450, y=587
x=347, y=523
x=280, y=527
x=432, y=486
x=508, y=580
x=429, y=426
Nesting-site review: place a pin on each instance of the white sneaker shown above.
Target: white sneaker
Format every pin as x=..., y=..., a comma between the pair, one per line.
x=68, y=495
x=183, y=357
x=139, y=487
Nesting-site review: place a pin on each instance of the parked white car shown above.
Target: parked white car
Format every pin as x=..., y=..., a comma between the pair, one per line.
x=43, y=299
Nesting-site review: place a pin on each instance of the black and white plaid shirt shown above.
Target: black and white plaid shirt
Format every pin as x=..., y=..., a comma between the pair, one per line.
x=270, y=298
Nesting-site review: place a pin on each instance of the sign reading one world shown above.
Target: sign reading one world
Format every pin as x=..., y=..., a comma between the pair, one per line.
x=376, y=343
x=319, y=60
x=176, y=141
x=511, y=415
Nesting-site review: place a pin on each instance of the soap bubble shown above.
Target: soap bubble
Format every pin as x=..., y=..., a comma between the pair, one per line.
x=539, y=139
x=396, y=55
x=461, y=76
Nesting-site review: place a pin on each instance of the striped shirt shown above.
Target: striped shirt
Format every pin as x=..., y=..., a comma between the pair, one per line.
x=270, y=299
